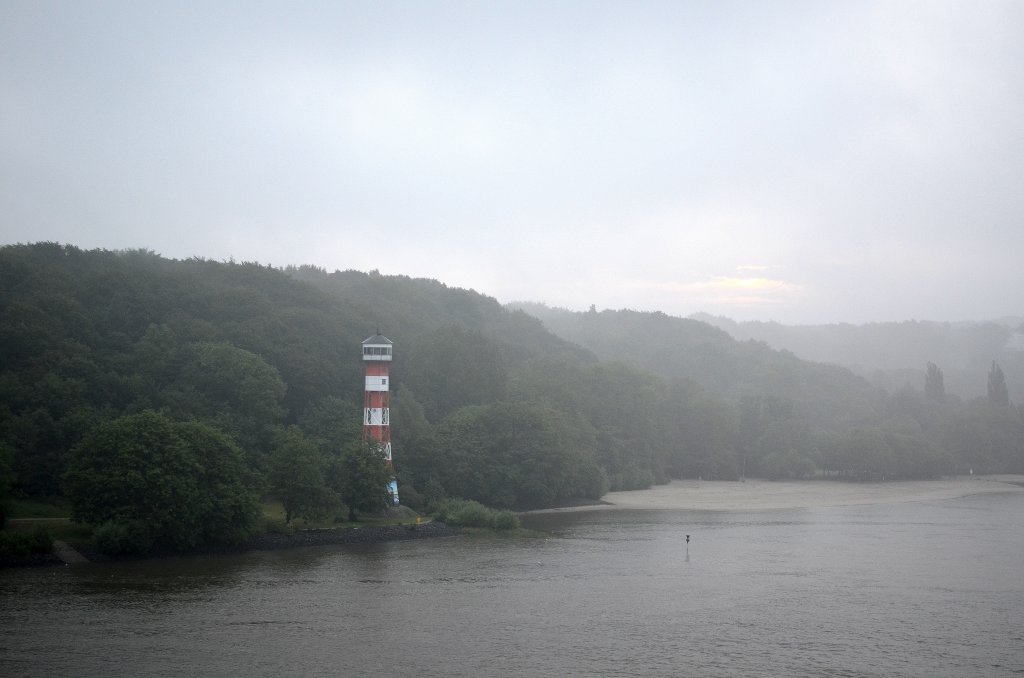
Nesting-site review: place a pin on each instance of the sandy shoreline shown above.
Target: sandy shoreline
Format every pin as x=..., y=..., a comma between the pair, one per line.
x=757, y=495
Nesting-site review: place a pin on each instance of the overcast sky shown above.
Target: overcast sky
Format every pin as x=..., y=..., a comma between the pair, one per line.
x=797, y=161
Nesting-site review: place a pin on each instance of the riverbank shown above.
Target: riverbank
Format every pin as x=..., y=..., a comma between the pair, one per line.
x=265, y=541
x=274, y=541
x=759, y=495
x=269, y=541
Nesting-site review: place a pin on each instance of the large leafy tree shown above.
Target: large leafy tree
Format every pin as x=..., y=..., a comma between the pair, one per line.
x=149, y=482
x=332, y=422
x=361, y=476
x=297, y=477
x=236, y=390
x=513, y=454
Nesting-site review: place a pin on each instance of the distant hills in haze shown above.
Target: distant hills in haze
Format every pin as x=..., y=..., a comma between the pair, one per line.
x=894, y=354
x=828, y=396
x=890, y=355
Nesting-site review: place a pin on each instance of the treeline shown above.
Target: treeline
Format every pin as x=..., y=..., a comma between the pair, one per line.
x=891, y=354
x=111, y=346
x=93, y=340
x=242, y=361
x=788, y=418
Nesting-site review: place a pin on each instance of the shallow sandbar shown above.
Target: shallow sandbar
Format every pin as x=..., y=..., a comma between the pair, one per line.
x=755, y=495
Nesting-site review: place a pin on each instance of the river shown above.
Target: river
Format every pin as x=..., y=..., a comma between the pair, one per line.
x=916, y=589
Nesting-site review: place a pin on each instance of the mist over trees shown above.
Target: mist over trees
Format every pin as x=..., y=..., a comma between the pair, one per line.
x=795, y=418
x=934, y=384
x=491, y=404
x=997, y=392
x=890, y=354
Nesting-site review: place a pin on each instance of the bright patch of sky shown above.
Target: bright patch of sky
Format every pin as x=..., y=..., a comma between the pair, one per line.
x=797, y=161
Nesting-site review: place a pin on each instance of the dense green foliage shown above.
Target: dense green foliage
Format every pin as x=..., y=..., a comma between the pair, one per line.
x=22, y=544
x=101, y=350
x=361, y=478
x=149, y=482
x=297, y=477
x=515, y=454
x=6, y=479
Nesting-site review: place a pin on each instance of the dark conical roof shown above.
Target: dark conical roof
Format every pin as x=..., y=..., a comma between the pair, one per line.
x=377, y=339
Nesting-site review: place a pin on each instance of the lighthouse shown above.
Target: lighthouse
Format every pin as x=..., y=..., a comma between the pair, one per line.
x=376, y=400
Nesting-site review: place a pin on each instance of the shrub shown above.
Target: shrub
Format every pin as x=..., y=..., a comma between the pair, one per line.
x=506, y=520
x=411, y=497
x=121, y=538
x=468, y=513
x=20, y=544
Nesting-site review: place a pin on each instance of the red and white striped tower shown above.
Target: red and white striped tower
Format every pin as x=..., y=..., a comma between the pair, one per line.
x=377, y=400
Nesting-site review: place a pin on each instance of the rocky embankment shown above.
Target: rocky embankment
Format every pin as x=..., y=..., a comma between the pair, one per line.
x=268, y=541
x=348, y=535
x=33, y=560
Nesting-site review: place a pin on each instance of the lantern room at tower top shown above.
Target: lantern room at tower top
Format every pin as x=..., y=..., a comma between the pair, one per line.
x=377, y=349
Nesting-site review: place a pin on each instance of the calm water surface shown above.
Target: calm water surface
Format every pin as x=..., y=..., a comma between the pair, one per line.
x=925, y=589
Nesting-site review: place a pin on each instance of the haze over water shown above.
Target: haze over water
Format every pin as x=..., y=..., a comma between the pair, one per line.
x=918, y=589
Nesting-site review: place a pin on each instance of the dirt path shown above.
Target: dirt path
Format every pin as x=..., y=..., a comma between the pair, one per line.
x=67, y=553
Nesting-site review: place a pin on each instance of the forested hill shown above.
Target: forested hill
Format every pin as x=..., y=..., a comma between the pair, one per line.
x=894, y=353
x=454, y=346
x=826, y=396
x=488, y=403
x=794, y=418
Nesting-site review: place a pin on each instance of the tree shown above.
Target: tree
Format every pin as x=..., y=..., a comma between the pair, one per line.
x=235, y=390
x=361, y=478
x=453, y=367
x=916, y=457
x=787, y=464
x=148, y=482
x=228, y=497
x=934, y=388
x=332, y=422
x=512, y=454
x=997, y=393
x=297, y=477
x=6, y=479
x=710, y=439
x=412, y=437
